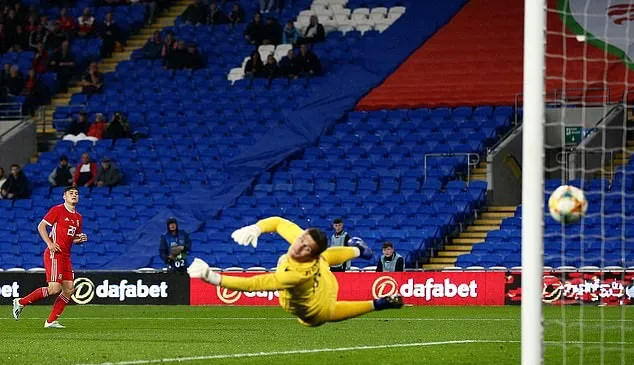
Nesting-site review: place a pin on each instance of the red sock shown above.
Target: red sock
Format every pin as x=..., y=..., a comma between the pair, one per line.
x=37, y=294
x=58, y=308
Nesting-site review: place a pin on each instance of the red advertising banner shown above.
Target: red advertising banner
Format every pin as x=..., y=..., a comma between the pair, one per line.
x=417, y=288
x=560, y=288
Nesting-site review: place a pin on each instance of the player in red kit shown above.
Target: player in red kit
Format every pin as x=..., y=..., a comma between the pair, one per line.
x=65, y=225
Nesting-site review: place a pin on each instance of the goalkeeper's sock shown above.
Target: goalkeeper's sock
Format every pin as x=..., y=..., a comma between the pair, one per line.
x=37, y=294
x=345, y=310
x=58, y=308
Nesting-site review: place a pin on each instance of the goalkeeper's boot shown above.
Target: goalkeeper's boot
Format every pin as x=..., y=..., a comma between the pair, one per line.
x=391, y=302
x=53, y=324
x=365, y=251
x=17, y=308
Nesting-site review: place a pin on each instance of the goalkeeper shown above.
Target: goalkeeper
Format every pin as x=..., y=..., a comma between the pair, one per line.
x=307, y=288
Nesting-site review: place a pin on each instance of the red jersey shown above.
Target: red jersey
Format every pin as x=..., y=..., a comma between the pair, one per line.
x=65, y=227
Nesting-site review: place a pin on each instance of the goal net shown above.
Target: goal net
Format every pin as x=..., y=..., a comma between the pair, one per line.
x=587, y=141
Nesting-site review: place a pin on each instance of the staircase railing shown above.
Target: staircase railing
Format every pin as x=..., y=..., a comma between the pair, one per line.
x=473, y=159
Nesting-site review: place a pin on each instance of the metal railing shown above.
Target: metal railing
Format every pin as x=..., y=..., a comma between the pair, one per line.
x=43, y=111
x=473, y=159
x=11, y=111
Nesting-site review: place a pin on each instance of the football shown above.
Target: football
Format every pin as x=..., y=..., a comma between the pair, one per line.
x=567, y=204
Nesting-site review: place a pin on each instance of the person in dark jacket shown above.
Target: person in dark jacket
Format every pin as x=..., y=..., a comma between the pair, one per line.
x=255, y=30
x=62, y=175
x=152, y=48
x=195, y=13
x=288, y=65
x=314, y=32
x=79, y=125
x=272, y=32
x=118, y=128
x=16, y=186
x=307, y=62
x=108, y=174
x=174, y=247
x=254, y=66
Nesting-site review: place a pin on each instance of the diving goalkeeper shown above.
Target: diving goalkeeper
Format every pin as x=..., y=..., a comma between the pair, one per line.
x=307, y=288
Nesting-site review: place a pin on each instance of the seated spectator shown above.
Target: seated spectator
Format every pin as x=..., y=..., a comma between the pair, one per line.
x=85, y=172
x=178, y=57
x=78, y=127
x=63, y=63
x=92, y=82
x=390, y=261
x=33, y=90
x=56, y=37
x=38, y=36
x=288, y=65
x=307, y=62
x=255, y=29
x=40, y=60
x=16, y=186
x=314, y=32
x=98, y=127
x=215, y=15
x=195, y=13
x=152, y=48
x=109, y=32
x=108, y=174
x=67, y=23
x=62, y=175
x=271, y=70
x=194, y=60
x=236, y=15
x=20, y=39
x=86, y=24
x=271, y=32
x=290, y=34
x=254, y=66
x=3, y=178
x=169, y=45
x=15, y=82
x=117, y=128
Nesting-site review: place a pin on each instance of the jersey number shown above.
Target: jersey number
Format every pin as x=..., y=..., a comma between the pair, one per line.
x=71, y=231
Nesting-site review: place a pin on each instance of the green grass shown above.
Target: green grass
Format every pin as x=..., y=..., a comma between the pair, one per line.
x=98, y=334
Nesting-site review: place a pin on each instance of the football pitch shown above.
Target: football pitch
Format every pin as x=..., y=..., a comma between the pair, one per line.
x=138, y=335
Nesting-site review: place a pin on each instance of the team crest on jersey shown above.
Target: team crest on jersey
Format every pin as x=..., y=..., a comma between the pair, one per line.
x=66, y=219
x=59, y=276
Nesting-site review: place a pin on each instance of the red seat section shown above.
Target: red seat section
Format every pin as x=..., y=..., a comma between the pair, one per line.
x=476, y=59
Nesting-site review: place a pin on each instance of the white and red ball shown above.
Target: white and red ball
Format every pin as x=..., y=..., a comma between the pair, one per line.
x=567, y=204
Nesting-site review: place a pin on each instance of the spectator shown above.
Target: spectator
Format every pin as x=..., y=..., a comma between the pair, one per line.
x=254, y=66
x=152, y=48
x=236, y=15
x=15, y=83
x=271, y=70
x=118, y=128
x=32, y=24
x=169, y=45
x=307, y=62
x=215, y=15
x=255, y=29
x=38, y=36
x=290, y=34
x=314, y=32
x=33, y=91
x=20, y=39
x=110, y=34
x=288, y=65
x=63, y=63
x=195, y=13
x=151, y=7
x=86, y=24
x=3, y=178
x=339, y=238
x=78, y=126
x=174, y=247
x=108, y=174
x=40, y=60
x=194, y=61
x=62, y=175
x=16, y=186
x=92, y=82
x=98, y=127
x=67, y=23
x=56, y=37
x=178, y=57
x=85, y=172
x=390, y=261
x=271, y=32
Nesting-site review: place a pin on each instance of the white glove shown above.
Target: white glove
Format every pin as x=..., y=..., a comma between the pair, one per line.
x=199, y=269
x=247, y=235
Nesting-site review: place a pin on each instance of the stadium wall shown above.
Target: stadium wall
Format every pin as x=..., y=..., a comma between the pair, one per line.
x=18, y=143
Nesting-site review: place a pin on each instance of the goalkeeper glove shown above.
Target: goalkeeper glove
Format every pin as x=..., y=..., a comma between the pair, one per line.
x=200, y=270
x=247, y=235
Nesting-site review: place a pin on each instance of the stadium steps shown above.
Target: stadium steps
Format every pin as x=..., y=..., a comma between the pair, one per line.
x=44, y=118
x=489, y=220
x=479, y=172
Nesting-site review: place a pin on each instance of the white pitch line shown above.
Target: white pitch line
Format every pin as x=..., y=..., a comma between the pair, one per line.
x=430, y=319
x=288, y=352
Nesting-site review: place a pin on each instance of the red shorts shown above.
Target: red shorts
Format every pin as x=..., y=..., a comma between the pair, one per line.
x=58, y=267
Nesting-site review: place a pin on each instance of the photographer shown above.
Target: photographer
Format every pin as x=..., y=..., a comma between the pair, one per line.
x=118, y=128
x=175, y=245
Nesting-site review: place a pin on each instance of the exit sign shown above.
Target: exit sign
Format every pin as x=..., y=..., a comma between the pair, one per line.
x=573, y=135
